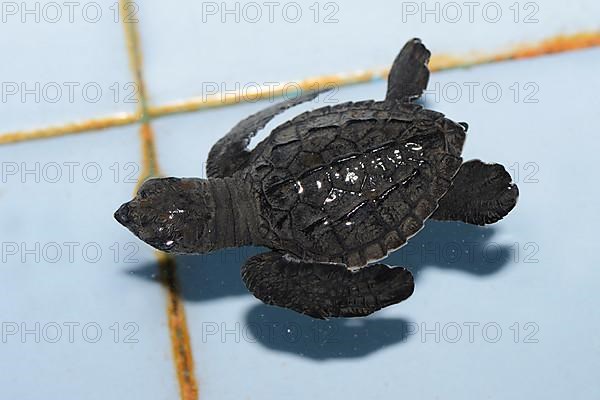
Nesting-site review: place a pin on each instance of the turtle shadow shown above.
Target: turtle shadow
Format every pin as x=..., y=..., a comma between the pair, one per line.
x=447, y=245
x=279, y=329
x=205, y=277
x=453, y=246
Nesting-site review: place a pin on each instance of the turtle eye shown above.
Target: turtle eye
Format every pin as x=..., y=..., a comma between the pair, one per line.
x=152, y=185
x=143, y=194
x=146, y=191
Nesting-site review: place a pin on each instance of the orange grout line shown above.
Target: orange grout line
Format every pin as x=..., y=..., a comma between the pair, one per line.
x=180, y=337
x=90, y=125
x=178, y=328
x=551, y=45
x=555, y=44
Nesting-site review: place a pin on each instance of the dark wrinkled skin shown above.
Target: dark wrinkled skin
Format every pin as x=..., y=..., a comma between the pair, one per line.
x=329, y=192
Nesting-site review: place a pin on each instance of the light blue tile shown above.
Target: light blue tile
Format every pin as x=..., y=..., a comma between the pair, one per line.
x=66, y=202
x=62, y=62
x=190, y=47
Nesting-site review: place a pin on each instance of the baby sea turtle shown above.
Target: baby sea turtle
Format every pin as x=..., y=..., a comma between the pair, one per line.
x=328, y=192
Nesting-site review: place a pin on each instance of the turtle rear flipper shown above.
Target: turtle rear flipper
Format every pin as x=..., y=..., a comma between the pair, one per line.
x=230, y=153
x=409, y=74
x=325, y=290
x=480, y=194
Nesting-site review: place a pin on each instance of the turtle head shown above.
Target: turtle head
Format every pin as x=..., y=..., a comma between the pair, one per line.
x=175, y=215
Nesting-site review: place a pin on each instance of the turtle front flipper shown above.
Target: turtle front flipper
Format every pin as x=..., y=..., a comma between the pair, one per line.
x=480, y=194
x=325, y=290
x=230, y=153
x=409, y=74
